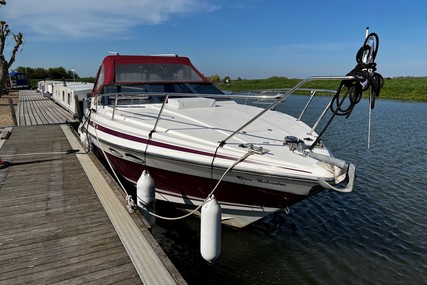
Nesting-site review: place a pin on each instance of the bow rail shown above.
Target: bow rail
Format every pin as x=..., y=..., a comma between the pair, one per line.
x=140, y=97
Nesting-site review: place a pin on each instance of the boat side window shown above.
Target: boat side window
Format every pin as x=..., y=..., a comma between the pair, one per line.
x=165, y=88
x=183, y=88
x=171, y=88
x=139, y=90
x=136, y=97
x=162, y=88
x=110, y=89
x=100, y=76
x=106, y=100
x=206, y=89
x=134, y=88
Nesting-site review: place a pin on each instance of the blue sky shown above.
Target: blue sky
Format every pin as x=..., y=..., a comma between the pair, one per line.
x=238, y=38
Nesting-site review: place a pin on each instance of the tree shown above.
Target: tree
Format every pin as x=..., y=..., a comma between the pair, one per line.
x=52, y=72
x=215, y=78
x=40, y=73
x=58, y=73
x=6, y=64
x=72, y=74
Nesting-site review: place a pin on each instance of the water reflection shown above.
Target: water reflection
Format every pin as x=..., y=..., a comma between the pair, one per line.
x=374, y=235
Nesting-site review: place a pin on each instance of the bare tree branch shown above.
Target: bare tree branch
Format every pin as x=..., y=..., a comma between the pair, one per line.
x=18, y=43
x=4, y=64
x=4, y=33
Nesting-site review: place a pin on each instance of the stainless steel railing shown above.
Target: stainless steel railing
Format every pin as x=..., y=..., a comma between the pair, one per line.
x=277, y=98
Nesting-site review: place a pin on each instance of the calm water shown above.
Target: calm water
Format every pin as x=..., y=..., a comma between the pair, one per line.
x=375, y=235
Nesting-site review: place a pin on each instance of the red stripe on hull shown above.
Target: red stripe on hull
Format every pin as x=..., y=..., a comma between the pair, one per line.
x=169, y=146
x=199, y=187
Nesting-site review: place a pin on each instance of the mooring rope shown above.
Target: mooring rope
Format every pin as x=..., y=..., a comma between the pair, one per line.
x=129, y=199
x=246, y=155
x=365, y=77
x=86, y=143
x=68, y=151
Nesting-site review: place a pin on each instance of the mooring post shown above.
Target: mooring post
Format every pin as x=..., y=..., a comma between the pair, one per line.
x=12, y=110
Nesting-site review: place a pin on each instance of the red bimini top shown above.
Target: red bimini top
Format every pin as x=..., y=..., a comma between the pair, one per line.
x=141, y=69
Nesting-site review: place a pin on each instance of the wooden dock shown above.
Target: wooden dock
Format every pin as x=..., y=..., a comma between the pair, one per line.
x=34, y=109
x=62, y=223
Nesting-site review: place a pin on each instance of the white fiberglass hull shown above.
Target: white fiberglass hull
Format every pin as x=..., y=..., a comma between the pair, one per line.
x=184, y=156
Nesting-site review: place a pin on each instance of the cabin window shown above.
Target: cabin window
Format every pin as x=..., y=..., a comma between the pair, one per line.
x=63, y=96
x=184, y=88
x=69, y=98
x=155, y=72
x=206, y=89
x=100, y=80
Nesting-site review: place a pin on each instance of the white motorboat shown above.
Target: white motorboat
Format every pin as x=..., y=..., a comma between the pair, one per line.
x=160, y=114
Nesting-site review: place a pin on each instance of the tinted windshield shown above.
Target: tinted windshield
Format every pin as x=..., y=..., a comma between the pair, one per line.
x=184, y=88
x=168, y=88
x=196, y=88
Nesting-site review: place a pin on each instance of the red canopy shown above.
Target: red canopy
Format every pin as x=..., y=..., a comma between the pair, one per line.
x=108, y=71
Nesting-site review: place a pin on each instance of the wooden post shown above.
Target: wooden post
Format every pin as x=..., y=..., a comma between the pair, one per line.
x=12, y=110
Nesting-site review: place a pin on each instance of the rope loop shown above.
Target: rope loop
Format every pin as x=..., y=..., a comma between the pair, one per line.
x=365, y=78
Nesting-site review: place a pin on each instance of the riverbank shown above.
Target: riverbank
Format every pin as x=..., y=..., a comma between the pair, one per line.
x=397, y=88
x=406, y=88
x=6, y=118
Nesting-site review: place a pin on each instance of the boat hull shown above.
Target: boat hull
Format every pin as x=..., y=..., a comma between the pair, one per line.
x=244, y=197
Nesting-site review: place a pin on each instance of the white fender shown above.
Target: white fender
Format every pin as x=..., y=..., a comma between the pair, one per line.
x=210, y=230
x=83, y=136
x=146, y=195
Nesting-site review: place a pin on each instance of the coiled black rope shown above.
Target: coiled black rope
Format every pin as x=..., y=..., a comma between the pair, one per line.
x=365, y=77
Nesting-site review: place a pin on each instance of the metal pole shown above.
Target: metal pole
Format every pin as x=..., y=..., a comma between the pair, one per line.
x=283, y=97
x=158, y=116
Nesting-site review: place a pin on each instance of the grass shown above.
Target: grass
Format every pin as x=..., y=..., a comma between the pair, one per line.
x=399, y=88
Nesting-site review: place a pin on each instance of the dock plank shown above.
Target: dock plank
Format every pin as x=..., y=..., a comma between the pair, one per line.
x=149, y=261
x=34, y=109
x=55, y=236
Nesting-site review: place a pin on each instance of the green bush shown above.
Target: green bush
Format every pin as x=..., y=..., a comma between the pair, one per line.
x=400, y=88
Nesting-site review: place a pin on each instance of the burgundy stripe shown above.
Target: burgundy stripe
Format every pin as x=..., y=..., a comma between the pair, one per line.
x=172, y=147
x=158, y=144
x=183, y=185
